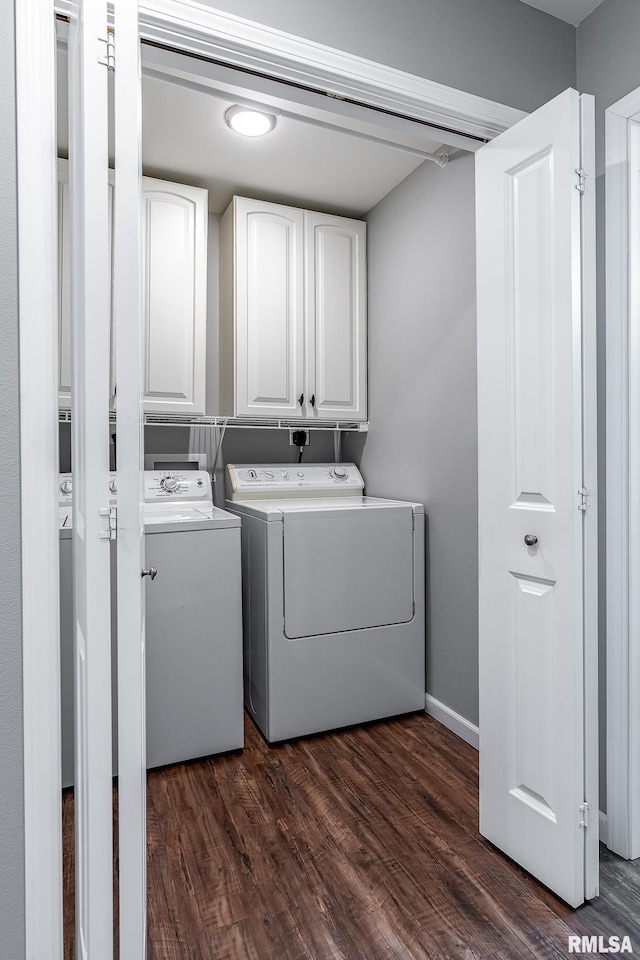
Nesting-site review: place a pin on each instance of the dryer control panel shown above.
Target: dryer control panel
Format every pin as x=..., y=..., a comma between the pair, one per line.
x=284, y=481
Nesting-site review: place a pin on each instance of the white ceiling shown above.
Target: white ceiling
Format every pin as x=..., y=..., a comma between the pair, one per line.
x=573, y=11
x=186, y=139
x=184, y=135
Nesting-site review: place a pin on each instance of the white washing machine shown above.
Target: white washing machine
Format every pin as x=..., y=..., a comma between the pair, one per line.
x=333, y=598
x=193, y=621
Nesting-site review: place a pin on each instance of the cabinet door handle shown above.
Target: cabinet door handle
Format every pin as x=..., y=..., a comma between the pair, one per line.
x=313, y=400
x=301, y=399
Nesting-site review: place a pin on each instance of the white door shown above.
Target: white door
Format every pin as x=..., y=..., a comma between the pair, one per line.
x=537, y=753
x=174, y=230
x=128, y=331
x=336, y=317
x=268, y=247
x=90, y=281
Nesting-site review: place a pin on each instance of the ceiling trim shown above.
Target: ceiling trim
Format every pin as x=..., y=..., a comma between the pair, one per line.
x=194, y=28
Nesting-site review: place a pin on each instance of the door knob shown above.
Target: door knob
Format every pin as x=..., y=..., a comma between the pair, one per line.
x=151, y=572
x=530, y=539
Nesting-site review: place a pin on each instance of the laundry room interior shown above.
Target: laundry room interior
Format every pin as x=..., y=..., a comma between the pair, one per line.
x=421, y=438
x=314, y=666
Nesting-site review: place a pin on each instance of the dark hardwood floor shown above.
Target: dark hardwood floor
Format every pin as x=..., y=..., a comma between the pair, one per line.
x=359, y=845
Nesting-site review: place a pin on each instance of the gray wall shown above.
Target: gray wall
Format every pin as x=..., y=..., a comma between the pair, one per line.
x=500, y=49
x=422, y=400
x=608, y=66
x=12, y=923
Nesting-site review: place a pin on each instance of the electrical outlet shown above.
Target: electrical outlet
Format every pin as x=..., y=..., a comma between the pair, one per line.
x=298, y=442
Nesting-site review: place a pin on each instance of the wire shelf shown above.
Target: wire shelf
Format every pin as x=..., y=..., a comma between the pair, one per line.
x=241, y=423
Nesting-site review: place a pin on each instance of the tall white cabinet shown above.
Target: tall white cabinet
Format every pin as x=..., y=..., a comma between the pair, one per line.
x=174, y=259
x=174, y=296
x=292, y=313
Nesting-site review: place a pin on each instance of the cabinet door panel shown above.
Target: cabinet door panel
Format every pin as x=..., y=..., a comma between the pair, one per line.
x=336, y=316
x=269, y=290
x=174, y=296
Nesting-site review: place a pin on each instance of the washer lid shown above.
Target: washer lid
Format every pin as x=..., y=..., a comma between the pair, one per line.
x=166, y=516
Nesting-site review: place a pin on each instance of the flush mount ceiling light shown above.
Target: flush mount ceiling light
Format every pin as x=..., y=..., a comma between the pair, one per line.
x=248, y=121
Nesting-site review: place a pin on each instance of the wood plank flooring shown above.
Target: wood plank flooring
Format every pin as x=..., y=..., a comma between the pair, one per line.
x=356, y=845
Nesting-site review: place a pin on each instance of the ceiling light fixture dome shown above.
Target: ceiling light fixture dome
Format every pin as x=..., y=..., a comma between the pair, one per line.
x=248, y=121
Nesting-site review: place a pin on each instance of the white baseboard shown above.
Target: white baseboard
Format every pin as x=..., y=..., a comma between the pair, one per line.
x=604, y=829
x=453, y=721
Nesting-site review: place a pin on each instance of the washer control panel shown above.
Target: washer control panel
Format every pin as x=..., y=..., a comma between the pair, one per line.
x=182, y=485
x=282, y=481
x=65, y=496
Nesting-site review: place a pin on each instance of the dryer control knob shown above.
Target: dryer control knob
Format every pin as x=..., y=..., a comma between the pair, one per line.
x=113, y=485
x=169, y=484
x=285, y=474
x=66, y=486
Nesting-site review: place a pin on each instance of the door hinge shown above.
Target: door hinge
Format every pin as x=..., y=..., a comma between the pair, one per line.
x=112, y=514
x=108, y=57
x=581, y=179
x=584, y=815
x=583, y=493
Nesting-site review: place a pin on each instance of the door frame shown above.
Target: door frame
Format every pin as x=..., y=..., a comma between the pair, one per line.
x=39, y=468
x=238, y=42
x=622, y=142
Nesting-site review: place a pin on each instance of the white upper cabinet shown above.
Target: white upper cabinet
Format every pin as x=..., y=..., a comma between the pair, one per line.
x=263, y=277
x=174, y=296
x=336, y=291
x=174, y=230
x=292, y=313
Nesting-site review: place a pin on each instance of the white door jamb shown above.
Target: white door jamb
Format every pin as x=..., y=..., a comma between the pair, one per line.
x=623, y=474
x=38, y=327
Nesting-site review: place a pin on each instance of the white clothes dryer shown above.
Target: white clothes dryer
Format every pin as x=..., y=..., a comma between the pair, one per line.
x=333, y=598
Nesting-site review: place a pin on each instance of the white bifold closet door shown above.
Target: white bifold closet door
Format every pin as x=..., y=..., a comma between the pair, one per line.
x=95, y=527
x=537, y=519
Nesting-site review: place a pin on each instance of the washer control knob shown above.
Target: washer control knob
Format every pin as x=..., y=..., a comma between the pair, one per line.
x=169, y=484
x=340, y=473
x=113, y=485
x=269, y=474
x=300, y=473
x=66, y=486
